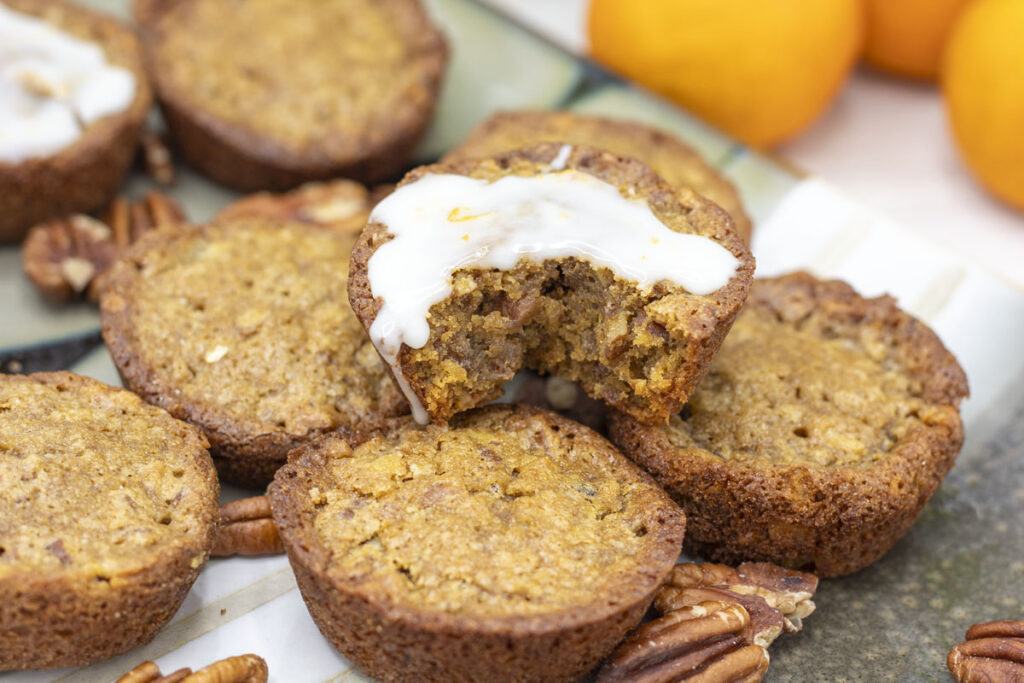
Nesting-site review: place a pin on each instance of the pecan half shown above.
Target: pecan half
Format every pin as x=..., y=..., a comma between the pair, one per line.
x=247, y=528
x=701, y=642
x=62, y=256
x=342, y=205
x=241, y=669
x=66, y=257
x=764, y=625
x=785, y=590
x=993, y=651
x=144, y=673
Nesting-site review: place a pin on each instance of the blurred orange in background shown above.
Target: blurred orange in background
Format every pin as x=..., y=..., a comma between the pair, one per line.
x=906, y=37
x=983, y=83
x=762, y=71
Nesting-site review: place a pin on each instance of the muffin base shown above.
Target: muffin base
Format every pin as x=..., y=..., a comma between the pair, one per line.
x=51, y=623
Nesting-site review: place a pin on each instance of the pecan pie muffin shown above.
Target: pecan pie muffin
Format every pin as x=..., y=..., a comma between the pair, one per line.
x=667, y=155
x=512, y=544
x=825, y=424
x=268, y=94
x=241, y=327
x=75, y=98
x=567, y=260
x=109, y=512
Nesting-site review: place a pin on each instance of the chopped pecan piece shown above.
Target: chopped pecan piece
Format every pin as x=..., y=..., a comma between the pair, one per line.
x=701, y=642
x=993, y=651
x=240, y=669
x=342, y=205
x=66, y=257
x=247, y=528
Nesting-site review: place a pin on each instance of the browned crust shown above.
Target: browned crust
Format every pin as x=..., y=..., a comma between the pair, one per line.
x=241, y=457
x=85, y=175
x=249, y=161
x=699, y=215
x=75, y=619
x=828, y=520
x=689, y=167
x=409, y=643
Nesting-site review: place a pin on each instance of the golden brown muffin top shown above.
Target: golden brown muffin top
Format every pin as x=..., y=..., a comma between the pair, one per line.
x=677, y=163
x=813, y=373
x=94, y=480
x=322, y=74
x=243, y=327
x=506, y=512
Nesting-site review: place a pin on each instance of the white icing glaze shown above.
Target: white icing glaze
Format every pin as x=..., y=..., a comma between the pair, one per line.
x=445, y=223
x=52, y=85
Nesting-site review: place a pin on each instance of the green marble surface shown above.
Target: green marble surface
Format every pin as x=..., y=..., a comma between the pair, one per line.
x=962, y=563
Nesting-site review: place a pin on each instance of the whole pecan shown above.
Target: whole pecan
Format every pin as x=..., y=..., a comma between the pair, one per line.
x=993, y=652
x=247, y=528
x=65, y=258
x=241, y=669
x=701, y=642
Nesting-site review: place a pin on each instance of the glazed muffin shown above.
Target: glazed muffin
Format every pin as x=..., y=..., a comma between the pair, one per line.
x=110, y=510
x=567, y=260
x=342, y=205
x=241, y=327
x=75, y=98
x=335, y=87
x=826, y=423
x=669, y=157
x=510, y=545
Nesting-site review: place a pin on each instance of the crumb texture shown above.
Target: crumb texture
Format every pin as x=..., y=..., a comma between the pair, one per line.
x=504, y=513
x=94, y=480
x=641, y=351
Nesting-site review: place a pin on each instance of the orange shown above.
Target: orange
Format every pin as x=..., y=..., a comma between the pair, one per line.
x=906, y=37
x=762, y=71
x=983, y=82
